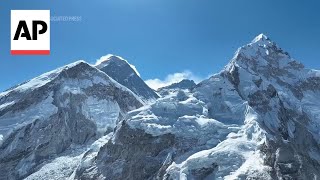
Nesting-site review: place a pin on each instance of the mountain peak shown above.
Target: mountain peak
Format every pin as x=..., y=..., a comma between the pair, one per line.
x=261, y=46
x=261, y=38
x=126, y=74
x=259, y=53
x=110, y=58
x=263, y=57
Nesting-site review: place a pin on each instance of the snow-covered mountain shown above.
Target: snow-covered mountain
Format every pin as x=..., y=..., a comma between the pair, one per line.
x=71, y=106
x=258, y=118
x=124, y=73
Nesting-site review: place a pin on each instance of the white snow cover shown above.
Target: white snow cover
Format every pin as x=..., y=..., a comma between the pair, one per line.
x=104, y=113
x=1, y=139
x=226, y=105
x=41, y=111
x=7, y=104
x=261, y=38
x=61, y=166
x=237, y=155
x=75, y=86
x=40, y=80
x=179, y=113
x=91, y=153
x=233, y=146
x=289, y=71
x=65, y=165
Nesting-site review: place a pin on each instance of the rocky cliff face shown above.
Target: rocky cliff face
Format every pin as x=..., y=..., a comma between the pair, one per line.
x=70, y=106
x=258, y=118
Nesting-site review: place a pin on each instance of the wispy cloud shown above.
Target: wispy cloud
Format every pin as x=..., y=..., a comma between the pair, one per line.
x=173, y=78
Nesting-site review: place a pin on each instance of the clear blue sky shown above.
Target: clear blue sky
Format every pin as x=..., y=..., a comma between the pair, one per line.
x=161, y=37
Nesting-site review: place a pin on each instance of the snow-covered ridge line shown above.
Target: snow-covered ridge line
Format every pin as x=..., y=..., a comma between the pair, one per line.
x=42, y=79
x=47, y=77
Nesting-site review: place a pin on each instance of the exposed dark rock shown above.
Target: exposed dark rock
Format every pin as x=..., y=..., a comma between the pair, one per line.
x=119, y=70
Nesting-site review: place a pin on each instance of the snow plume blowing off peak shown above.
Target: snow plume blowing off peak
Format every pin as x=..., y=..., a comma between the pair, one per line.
x=126, y=74
x=103, y=61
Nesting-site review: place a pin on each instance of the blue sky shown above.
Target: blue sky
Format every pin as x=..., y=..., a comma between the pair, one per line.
x=162, y=37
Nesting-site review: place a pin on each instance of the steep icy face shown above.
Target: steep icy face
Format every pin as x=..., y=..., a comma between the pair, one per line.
x=263, y=59
x=283, y=93
x=121, y=71
x=261, y=71
x=222, y=100
x=256, y=119
x=72, y=105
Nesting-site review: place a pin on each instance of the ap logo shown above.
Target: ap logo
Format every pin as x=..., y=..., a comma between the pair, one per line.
x=30, y=32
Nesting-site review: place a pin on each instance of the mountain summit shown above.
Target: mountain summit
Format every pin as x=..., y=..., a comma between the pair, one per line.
x=260, y=38
x=126, y=74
